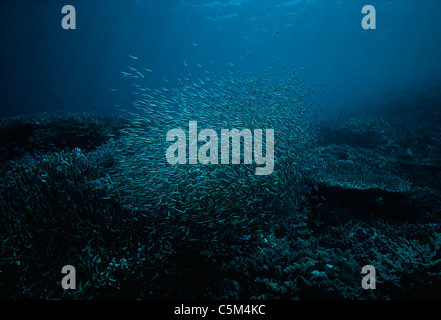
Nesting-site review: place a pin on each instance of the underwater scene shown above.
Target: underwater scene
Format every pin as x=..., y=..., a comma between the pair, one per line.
x=235, y=150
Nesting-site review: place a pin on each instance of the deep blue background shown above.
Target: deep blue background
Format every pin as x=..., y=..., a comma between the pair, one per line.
x=45, y=68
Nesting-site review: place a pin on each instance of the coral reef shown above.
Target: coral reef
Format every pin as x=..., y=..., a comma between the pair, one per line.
x=356, y=204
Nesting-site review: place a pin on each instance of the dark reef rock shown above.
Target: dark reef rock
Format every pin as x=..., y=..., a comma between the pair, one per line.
x=41, y=133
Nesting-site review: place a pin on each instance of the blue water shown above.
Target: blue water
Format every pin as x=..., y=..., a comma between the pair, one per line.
x=100, y=194
x=46, y=68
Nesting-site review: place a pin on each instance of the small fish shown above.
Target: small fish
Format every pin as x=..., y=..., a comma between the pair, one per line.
x=133, y=57
x=113, y=90
x=275, y=30
x=194, y=44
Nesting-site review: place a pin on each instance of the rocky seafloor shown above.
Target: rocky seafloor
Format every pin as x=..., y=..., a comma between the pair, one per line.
x=375, y=200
